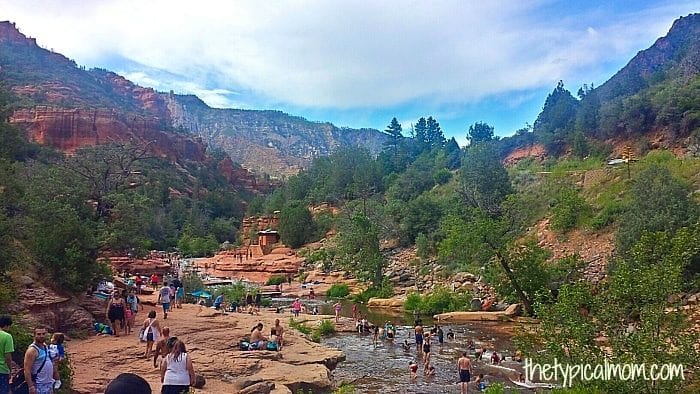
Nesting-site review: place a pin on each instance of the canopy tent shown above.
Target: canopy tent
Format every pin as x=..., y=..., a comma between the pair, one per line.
x=201, y=294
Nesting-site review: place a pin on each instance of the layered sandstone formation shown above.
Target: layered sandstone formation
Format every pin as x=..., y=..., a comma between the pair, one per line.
x=259, y=268
x=71, y=129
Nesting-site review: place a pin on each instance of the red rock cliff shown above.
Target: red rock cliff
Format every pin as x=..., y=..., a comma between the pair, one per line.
x=71, y=129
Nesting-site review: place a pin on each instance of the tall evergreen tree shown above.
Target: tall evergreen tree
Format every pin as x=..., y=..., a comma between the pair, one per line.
x=434, y=138
x=420, y=133
x=393, y=143
x=480, y=132
x=557, y=119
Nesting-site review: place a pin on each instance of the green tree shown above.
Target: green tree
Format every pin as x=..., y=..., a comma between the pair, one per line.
x=420, y=134
x=658, y=202
x=485, y=182
x=394, y=141
x=358, y=246
x=632, y=311
x=480, y=132
x=296, y=224
x=557, y=119
x=434, y=137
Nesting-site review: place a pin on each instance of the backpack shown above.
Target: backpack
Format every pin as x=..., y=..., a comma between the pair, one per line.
x=19, y=383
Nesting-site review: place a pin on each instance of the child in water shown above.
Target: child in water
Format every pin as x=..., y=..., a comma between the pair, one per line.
x=57, y=353
x=413, y=369
x=406, y=346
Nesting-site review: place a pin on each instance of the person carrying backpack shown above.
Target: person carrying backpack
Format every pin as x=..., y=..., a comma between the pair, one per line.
x=38, y=368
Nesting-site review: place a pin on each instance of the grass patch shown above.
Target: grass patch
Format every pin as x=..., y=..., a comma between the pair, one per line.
x=299, y=326
x=345, y=388
x=326, y=328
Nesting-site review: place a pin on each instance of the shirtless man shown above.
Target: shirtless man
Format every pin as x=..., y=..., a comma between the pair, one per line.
x=419, y=336
x=162, y=346
x=278, y=331
x=464, y=366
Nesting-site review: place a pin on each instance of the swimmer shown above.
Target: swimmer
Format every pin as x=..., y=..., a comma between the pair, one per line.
x=413, y=369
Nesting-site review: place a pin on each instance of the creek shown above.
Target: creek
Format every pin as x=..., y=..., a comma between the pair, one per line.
x=384, y=368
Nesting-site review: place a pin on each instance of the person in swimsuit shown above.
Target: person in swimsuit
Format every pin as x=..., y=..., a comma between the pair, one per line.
x=116, y=312
x=337, y=308
x=426, y=351
x=162, y=349
x=256, y=337
x=419, y=336
x=375, y=338
x=464, y=366
x=278, y=331
x=413, y=369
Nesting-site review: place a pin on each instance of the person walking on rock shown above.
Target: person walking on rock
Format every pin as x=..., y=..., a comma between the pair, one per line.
x=151, y=332
x=177, y=371
x=7, y=346
x=38, y=368
x=164, y=299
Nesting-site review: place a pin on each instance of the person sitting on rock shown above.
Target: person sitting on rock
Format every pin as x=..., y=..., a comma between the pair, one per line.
x=257, y=339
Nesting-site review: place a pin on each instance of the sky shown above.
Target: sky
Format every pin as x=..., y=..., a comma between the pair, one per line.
x=357, y=63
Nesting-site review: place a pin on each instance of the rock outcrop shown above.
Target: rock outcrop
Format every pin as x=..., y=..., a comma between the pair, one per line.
x=213, y=343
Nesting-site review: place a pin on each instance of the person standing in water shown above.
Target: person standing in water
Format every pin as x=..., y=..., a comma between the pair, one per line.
x=337, y=308
x=426, y=351
x=419, y=336
x=464, y=366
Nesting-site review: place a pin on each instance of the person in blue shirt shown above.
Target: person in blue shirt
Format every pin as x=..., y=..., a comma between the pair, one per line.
x=218, y=301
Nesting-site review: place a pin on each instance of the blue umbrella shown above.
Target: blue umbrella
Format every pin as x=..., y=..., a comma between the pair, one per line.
x=201, y=294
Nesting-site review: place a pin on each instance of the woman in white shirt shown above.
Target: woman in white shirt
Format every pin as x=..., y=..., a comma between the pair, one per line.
x=177, y=371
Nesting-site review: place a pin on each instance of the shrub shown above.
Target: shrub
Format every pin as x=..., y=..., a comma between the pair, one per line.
x=276, y=280
x=22, y=337
x=495, y=388
x=192, y=282
x=234, y=292
x=608, y=215
x=440, y=300
x=385, y=291
x=315, y=336
x=338, y=290
x=568, y=210
x=326, y=328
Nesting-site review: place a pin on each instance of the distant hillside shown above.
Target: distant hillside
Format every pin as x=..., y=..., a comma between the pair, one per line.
x=652, y=102
x=264, y=141
x=267, y=141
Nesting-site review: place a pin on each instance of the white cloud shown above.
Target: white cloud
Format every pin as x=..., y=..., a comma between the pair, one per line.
x=341, y=54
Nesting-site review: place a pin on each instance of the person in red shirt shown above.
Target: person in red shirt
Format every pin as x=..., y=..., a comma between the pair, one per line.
x=154, y=281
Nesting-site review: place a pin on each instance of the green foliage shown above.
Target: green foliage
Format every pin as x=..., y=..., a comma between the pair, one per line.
x=485, y=181
x=358, y=246
x=440, y=300
x=326, y=328
x=495, y=388
x=65, y=373
x=345, y=388
x=232, y=293
x=422, y=246
x=557, y=119
x=192, y=246
x=338, y=290
x=658, y=202
x=442, y=176
x=299, y=326
x=608, y=215
x=386, y=290
x=276, y=280
x=632, y=309
x=480, y=132
x=296, y=224
x=22, y=336
x=569, y=210
x=8, y=292
x=192, y=282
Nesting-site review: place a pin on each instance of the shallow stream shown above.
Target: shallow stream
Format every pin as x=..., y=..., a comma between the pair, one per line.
x=384, y=368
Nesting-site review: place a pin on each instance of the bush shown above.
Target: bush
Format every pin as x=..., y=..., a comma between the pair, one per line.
x=232, y=293
x=315, y=336
x=338, y=290
x=22, y=337
x=495, y=388
x=385, y=291
x=440, y=300
x=608, y=215
x=65, y=371
x=276, y=280
x=568, y=210
x=326, y=328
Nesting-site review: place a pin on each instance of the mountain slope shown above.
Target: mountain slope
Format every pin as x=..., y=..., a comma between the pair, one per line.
x=265, y=141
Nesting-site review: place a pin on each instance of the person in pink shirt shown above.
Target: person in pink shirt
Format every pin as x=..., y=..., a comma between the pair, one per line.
x=296, y=307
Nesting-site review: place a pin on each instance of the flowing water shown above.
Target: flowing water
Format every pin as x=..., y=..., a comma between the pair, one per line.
x=384, y=368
